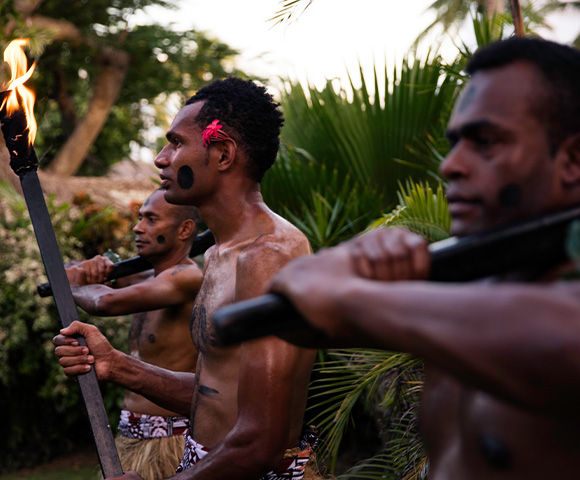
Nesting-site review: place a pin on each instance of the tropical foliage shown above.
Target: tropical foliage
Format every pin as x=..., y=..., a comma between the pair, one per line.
x=102, y=79
x=419, y=210
x=347, y=149
x=327, y=206
x=43, y=412
x=372, y=127
x=387, y=385
x=453, y=14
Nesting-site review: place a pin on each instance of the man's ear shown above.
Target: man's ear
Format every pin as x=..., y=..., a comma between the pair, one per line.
x=186, y=229
x=570, y=149
x=228, y=149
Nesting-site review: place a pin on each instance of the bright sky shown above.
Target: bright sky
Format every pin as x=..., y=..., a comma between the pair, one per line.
x=328, y=39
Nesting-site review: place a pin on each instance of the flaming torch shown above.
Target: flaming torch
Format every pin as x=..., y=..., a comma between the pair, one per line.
x=19, y=129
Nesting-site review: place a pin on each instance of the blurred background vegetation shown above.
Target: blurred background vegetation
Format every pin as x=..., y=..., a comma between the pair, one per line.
x=354, y=156
x=44, y=413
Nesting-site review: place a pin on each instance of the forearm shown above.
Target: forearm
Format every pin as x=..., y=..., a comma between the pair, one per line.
x=520, y=342
x=237, y=457
x=168, y=389
x=88, y=297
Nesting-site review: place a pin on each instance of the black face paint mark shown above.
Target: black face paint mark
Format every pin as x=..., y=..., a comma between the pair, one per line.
x=495, y=451
x=208, y=391
x=185, y=177
x=146, y=202
x=151, y=338
x=510, y=196
x=160, y=239
x=466, y=98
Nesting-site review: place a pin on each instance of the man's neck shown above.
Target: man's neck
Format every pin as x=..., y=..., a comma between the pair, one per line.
x=176, y=257
x=231, y=216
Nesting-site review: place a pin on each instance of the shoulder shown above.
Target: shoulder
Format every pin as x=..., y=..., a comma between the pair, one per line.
x=184, y=275
x=284, y=243
x=569, y=287
x=184, y=269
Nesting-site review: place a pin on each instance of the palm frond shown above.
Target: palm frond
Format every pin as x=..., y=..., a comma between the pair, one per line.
x=386, y=383
x=371, y=131
x=420, y=210
x=350, y=377
x=289, y=10
x=326, y=206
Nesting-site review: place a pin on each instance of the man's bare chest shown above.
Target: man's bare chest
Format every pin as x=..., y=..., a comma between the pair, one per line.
x=217, y=289
x=158, y=328
x=467, y=431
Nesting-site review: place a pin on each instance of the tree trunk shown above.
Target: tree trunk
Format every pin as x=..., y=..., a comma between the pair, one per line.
x=493, y=7
x=113, y=70
x=65, y=102
x=114, y=65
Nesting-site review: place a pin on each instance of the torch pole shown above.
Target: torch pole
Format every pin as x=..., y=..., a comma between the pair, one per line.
x=534, y=243
x=24, y=162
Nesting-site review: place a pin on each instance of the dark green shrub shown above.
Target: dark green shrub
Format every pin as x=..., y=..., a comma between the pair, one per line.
x=43, y=413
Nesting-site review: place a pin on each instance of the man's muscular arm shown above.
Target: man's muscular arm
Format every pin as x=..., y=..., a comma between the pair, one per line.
x=520, y=342
x=268, y=375
x=174, y=286
x=170, y=390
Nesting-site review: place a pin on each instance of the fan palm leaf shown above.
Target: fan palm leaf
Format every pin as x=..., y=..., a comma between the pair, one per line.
x=289, y=10
x=347, y=377
x=326, y=206
x=371, y=131
x=420, y=210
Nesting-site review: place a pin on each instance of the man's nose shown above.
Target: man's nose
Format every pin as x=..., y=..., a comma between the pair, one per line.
x=162, y=158
x=138, y=227
x=455, y=164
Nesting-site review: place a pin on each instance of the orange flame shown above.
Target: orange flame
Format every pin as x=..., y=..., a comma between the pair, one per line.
x=15, y=57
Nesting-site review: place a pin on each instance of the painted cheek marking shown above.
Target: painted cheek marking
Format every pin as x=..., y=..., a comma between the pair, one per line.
x=161, y=239
x=510, y=196
x=207, y=390
x=185, y=177
x=495, y=451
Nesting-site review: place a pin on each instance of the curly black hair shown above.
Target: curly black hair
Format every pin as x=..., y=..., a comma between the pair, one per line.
x=248, y=114
x=558, y=105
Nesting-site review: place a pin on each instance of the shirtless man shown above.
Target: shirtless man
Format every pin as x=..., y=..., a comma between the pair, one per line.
x=246, y=403
x=150, y=438
x=502, y=386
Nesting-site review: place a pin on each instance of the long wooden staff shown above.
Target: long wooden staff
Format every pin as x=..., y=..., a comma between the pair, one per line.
x=535, y=243
x=24, y=163
x=138, y=264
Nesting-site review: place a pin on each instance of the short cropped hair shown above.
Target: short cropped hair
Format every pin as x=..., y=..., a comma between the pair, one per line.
x=248, y=114
x=187, y=212
x=181, y=213
x=558, y=105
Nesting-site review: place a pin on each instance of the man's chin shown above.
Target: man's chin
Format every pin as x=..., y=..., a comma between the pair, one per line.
x=170, y=197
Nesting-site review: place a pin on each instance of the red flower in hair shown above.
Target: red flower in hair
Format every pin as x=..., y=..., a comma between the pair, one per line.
x=211, y=131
